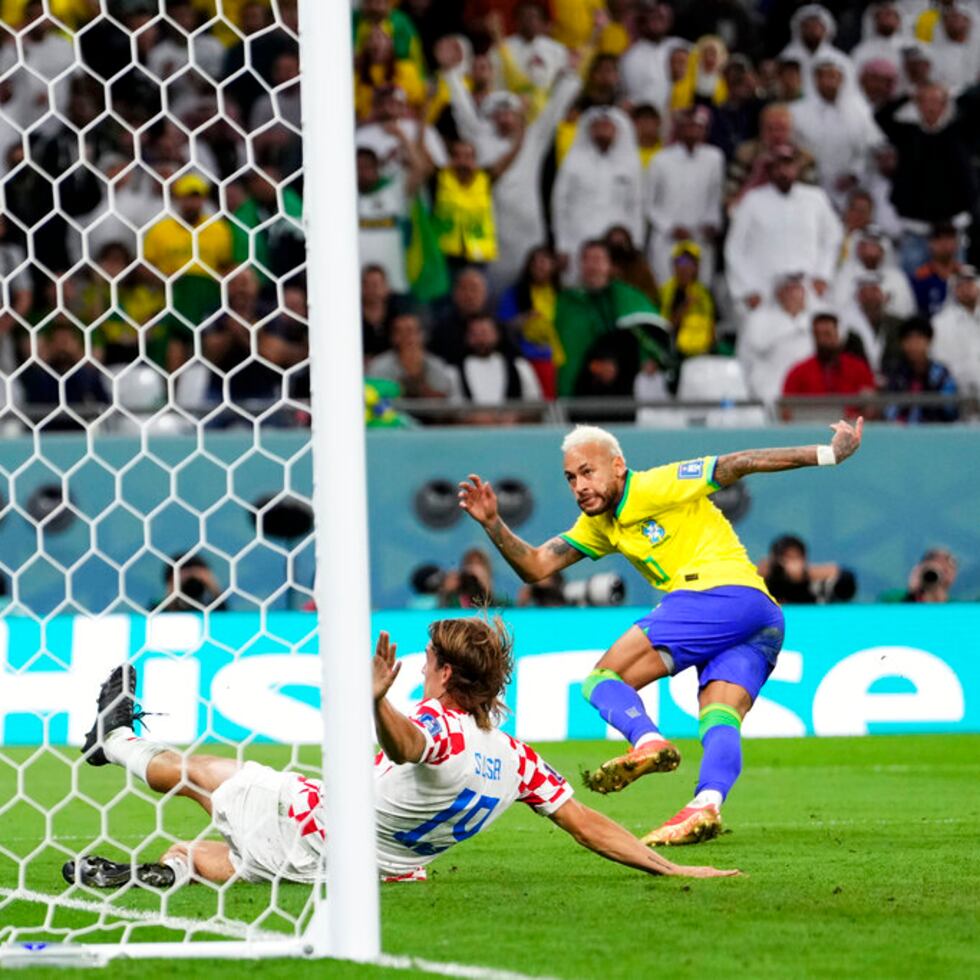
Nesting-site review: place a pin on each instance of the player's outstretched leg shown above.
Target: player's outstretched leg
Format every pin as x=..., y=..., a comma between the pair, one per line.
x=720, y=733
x=112, y=739
x=206, y=859
x=614, y=695
x=100, y=872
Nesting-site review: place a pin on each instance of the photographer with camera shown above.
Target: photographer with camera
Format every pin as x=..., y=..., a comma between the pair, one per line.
x=791, y=579
x=191, y=586
x=932, y=578
x=471, y=585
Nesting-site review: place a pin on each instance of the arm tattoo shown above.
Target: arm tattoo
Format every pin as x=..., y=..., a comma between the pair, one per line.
x=559, y=546
x=508, y=543
x=733, y=466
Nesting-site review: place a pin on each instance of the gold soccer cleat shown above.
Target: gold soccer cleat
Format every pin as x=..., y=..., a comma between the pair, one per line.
x=693, y=825
x=618, y=773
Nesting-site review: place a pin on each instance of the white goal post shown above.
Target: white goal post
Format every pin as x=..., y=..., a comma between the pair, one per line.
x=172, y=465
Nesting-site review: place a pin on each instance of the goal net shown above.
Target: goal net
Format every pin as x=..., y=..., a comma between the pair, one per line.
x=156, y=472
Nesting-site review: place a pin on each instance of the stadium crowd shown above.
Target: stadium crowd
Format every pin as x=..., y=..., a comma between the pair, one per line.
x=556, y=198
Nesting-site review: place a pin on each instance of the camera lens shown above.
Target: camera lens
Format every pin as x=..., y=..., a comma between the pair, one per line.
x=193, y=588
x=930, y=576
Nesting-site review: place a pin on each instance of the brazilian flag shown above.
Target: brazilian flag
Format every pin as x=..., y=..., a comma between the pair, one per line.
x=425, y=263
x=378, y=412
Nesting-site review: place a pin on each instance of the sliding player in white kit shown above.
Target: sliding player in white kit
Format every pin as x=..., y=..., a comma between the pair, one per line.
x=443, y=775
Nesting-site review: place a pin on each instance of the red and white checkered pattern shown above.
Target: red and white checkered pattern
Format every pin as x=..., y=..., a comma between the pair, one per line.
x=541, y=787
x=466, y=778
x=443, y=731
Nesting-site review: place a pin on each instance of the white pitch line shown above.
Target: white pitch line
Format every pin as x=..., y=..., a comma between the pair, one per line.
x=463, y=970
x=231, y=931
x=894, y=767
x=817, y=823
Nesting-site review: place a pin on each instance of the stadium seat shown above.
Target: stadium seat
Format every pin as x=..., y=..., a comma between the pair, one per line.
x=717, y=379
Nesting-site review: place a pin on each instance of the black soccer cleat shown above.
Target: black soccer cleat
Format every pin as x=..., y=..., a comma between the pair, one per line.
x=117, y=709
x=99, y=872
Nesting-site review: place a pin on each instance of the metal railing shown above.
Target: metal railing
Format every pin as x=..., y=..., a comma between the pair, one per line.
x=563, y=411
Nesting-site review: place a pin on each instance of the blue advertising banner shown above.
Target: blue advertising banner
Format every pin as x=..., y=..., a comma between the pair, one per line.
x=844, y=671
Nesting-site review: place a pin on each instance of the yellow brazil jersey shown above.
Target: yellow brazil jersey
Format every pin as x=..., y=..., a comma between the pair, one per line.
x=464, y=217
x=169, y=246
x=670, y=531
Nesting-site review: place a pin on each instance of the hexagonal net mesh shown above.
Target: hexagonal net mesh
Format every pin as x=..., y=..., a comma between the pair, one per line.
x=155, y=474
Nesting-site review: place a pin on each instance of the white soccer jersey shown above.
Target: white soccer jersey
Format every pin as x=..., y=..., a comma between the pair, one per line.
x=466, y=778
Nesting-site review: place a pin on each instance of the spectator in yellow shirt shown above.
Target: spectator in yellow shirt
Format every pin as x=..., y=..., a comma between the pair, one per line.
x=377, y=67
x=574, y=21
x=193, y=249
x=72, y=13
x=463, y=214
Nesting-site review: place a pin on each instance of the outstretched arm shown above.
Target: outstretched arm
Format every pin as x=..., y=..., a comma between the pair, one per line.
x=606, y=837
x=846, y=442
x=532, y=564
x=399, y=737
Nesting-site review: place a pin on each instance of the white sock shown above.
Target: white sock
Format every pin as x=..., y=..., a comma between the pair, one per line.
x=134, y=753
x=648, y=738
x=181, y=868
x=707, y=796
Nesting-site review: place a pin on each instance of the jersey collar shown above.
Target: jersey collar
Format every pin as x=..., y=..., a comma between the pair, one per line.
x=626, y=490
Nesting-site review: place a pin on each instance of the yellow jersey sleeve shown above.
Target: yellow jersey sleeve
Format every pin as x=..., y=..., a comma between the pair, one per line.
x=666, y=486
x=587, y=536
x=153, y=246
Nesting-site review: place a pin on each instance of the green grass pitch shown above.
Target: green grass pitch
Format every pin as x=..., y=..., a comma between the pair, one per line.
x=861, y=858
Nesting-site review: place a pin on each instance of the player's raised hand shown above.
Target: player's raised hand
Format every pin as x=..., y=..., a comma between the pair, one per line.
x=478, y=499
x=847, y=438
x=384, y=669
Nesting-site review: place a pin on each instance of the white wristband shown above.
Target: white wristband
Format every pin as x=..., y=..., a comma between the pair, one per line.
x=826, y=456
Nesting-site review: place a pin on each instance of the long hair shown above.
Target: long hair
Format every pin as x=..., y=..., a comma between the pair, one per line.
x=523, y=285
x=479, y=650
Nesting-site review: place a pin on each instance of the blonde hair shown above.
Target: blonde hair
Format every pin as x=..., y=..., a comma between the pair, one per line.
x=591, y=435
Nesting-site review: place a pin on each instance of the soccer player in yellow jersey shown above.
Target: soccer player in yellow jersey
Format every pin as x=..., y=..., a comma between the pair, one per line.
x=717, y=615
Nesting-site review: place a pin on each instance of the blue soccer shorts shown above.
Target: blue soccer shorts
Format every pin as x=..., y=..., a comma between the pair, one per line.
x=732, y=633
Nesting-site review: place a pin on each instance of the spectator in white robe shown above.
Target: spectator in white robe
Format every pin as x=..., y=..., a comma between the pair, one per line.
x=390, y=110
x=180, y=46
x=775, y=337
x=956, y=328
x=47, y=55
x=540, y=58
x=783, y=226
x=598, y=185
x=956, y=49
x=837, y=128
x=643, y=68
x=867, y=329
x=878, y=183
x=131, y=204
x=499, y=123
x=684, y=186
x=813, y=29
x=872, y=253
x=383, y=210
x=883, y=36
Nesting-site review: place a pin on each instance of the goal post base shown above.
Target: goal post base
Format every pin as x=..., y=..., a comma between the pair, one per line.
x=76, y=955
